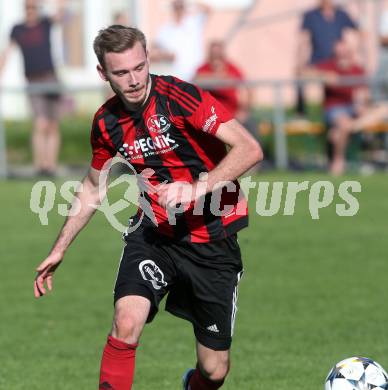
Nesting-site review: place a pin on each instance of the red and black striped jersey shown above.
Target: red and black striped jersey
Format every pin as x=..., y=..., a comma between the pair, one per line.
x=174, y=134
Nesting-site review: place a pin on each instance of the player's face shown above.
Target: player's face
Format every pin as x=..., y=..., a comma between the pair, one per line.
x=128, y=74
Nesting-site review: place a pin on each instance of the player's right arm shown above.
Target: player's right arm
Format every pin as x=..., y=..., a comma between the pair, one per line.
x=90, y=195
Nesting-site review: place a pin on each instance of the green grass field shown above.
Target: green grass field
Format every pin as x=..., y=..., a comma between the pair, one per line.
x=314, y=292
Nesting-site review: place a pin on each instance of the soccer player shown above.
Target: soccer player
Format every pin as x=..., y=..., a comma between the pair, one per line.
x=179, y=131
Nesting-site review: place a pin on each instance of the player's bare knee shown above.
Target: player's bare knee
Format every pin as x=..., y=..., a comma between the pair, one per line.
x=125, y=327
x=215, y=367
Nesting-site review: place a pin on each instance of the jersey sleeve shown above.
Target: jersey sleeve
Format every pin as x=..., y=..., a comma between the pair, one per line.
x=101, y=150
x=209, y=113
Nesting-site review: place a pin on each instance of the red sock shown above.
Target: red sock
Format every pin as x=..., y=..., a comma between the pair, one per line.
x=117, y=365
x=199, y=382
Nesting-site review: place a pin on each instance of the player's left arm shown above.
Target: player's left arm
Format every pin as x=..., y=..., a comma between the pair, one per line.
x=243, y=154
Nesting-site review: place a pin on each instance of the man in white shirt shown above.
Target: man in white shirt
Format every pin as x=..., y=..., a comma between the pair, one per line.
x=180, y=41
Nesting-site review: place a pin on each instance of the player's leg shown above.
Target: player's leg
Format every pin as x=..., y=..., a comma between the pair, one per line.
x=212, y=368
x=209, y=301
x=131, y=313
x=118, y=359
x=142, y=281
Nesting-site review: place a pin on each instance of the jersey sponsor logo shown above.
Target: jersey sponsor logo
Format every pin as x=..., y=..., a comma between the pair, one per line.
x=211, y=121
x=152, y=273
x=158, y=123
x=148, y=146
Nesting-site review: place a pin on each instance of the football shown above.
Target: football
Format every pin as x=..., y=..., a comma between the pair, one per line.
x=357, y=373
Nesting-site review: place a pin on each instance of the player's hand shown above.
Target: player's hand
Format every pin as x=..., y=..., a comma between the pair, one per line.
x=45, y=273
x=172, y=194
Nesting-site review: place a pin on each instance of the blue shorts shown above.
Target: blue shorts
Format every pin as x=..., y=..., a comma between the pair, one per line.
x=332, y=113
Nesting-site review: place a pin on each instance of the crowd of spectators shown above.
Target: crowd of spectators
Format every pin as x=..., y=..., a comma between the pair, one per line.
x=323, y=52
x=326, y=51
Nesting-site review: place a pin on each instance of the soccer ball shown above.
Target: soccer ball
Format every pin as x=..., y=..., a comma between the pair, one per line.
x=357, y=373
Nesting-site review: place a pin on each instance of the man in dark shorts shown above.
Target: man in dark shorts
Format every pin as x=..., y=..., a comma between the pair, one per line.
x=175, y=135
x=32, y=36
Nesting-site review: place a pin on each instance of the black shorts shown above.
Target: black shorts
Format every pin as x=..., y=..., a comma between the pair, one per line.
x=200, y=279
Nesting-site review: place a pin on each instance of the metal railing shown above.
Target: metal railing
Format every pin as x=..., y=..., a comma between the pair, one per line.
x=278, y=112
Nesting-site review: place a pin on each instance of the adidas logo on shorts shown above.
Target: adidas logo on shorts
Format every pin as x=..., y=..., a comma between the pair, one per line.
x=213, y=328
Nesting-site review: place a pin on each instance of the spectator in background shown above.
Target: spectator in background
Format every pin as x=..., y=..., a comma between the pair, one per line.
x=380, y=90
x=180, y=41
x=32, y=36
x=236, y=99
x=321, y=28
x=122, y=18
x=342, y=103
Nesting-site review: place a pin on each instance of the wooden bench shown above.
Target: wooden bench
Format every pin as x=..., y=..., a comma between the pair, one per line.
x=377, y=128
x=304, y=127
x=296, y=127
